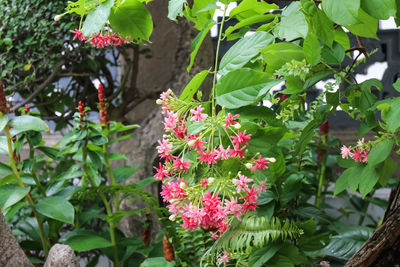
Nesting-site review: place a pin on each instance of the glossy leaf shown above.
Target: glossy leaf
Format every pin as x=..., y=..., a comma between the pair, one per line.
x=131, y=19
x=312, y=49
x=293, y=23
x=334, y=55
x=369, y=179
x=276, y=55
x=387, y=170
x=342, y=12
x=85, y=241
x=367, y=27
x=27, y=123
x=242, y=87
x=197, y=41
x=249, y=21
x=380, y=151
x=11, y=194
x=192, y=87
x=175, y=9
x=380, y=9
x=250, y=8
x=260, y=256
x=3, y=121
x=56, y=208
x=124, y=172
x=96, y=18
x=243, y=51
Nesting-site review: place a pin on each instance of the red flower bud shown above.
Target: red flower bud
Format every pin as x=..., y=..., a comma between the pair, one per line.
x=102, y=103
x=26, y=109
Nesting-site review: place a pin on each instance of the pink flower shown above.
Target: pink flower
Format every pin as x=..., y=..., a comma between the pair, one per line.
x=364, y=155
x=164, y=147
x=229, y=120
x=232, y=207
x=164, y=96
x=181, y=165
x=261, y=164
x=346, y=152
x=250, y=199
x=79, y=35
x=241, y=138
x=208, y=156
x=203, y=182
x=180, y=131
x=236, y=151
x=194, y=142
x=324, y=264
x=262, y=187
x=161, y=172
x=192, y=217
x=222, y=153
x=241, y=183
x=170, y=120
x=357, y=155
x=197, y=115
x=224, y=258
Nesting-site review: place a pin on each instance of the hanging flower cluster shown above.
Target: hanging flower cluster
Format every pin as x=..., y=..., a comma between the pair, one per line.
x=206, y=166
x=100, y=41
x=359, y=153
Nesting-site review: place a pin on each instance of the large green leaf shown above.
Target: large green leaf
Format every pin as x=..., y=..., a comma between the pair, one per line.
x=192, y=87
x=380, y=9
x=3, y=121
x=157, y=262
x=276, y=55
x=342, y=12
x=262, y=255
x=85, y=241
x=380, y=151
x=56, y=208
x=249, y=21
x=11, y=194
x=124, y=172
x=242, y=87
x=369, y=179
x=96, y=18
x=131, y=19
x=175, y=9
x=26, y=123
x=349, y=178
x=334, y=55
x=197, y=41
x=250, y=8
x=387, y=170
x=293, y=23
x=312, y=49
x=391, y=116
x=243, y=51
x=367, y=27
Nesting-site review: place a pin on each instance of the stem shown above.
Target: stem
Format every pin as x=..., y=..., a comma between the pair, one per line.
x=37, y=182
x=216, y=62
x=28, y=197
x=318, y=198
x=111, y=176
x=106, y=203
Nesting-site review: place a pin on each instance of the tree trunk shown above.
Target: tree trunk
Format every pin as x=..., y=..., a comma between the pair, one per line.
x=383, y=247
x=11, y=253
x=166, y=68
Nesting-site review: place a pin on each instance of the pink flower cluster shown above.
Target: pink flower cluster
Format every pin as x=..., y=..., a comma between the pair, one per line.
x=358, y=153
x=100, y=41
x=212, y=200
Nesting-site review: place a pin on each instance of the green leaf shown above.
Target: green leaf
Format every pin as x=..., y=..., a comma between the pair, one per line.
x=175, y=9
x=391, y=116
x=243, y=51
x=380, y=9
x=312, y=49
x=248, y=22
x=195, y=127
x=27, y=123
x=49, y=151
x=192, y=87
x=316, y=77
x=266, y=197
x=4, y=168
x=96, y=18
x=369, y=179
x=367, y=27
x=85, y=241
x=3, y=121
x=250, y=8
x=124, y=172
x=342, y=12
x=380, y=151
x=341, y=37
x=262, y=255
x=11, y=194
x=157, y=262
x=334, y=55
x=243, y=87
x=387, y=170
x=396, y=85
x=306, y=135
x=131, y=19
x=276, y=55
x=117, y=156
x=56, y=208
x=293, y=23
x=197, y=41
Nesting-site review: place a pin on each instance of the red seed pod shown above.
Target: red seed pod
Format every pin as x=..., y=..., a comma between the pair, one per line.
x=4, y=107
x=26, y=109
x=168, y=249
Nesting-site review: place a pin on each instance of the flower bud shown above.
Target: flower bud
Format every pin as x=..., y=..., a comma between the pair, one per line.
x=272, y=160
x=191, y=143
x=172, y=217
x=57, y=18
x=159, y=101
x=183, y=185
x=249, y=165
x=210, y=180
x=237, y=126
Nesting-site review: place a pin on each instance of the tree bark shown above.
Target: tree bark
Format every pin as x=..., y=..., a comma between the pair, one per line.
x=165, y=68
x=11, y=254
x=383, y=247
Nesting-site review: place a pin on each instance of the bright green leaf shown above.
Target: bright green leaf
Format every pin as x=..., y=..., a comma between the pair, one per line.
x=248, y=22
x=86, y=241
x=312, y=49
x=380, y=151
x=367, y=27
x=334, y=55
x=342, y=12
x=192, y=87
x=250, y=8
x=396, y=85
x=197, y=41
x=369, y=178
x=3, y=121
x=56, y=208
x=11, y=194
x=276, y=55
x=380, y=9
x=387, y=170
x=175, y=9
x=26, y=123
x=96, y=18
x=124, y=172
x=293, y=23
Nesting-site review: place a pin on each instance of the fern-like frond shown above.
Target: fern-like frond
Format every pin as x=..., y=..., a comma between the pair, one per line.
x=253, y=231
